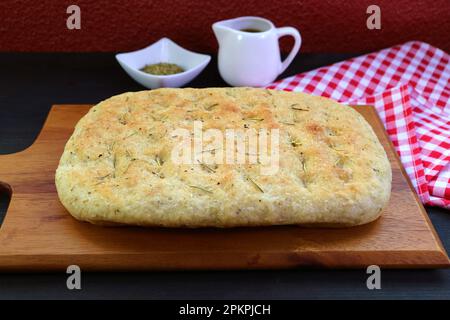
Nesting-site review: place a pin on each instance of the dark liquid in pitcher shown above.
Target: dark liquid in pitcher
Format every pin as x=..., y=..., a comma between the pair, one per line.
x=251, y=30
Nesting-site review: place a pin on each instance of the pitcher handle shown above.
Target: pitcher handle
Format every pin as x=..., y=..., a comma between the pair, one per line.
x=289, y=31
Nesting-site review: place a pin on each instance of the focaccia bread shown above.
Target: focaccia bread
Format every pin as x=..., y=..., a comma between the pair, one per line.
x=118, y=167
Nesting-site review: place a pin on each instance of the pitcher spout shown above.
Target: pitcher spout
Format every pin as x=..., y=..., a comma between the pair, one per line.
x=221, y=28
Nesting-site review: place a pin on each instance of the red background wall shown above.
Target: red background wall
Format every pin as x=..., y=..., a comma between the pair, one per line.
x=326, y=26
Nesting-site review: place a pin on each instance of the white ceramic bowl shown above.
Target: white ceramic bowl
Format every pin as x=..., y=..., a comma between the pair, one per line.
x=164, y=50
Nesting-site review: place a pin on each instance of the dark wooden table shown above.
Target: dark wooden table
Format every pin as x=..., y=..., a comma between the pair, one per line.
x=31, y=83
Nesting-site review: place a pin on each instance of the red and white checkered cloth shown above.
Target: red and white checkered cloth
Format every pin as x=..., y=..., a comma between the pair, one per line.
x=409, y=85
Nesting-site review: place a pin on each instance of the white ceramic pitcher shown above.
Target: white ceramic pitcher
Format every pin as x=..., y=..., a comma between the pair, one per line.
x=249, y=53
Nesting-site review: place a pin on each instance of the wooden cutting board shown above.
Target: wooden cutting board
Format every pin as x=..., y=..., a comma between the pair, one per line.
x=39, y=234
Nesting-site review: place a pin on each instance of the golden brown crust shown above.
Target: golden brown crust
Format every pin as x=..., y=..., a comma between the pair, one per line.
x=117, y=166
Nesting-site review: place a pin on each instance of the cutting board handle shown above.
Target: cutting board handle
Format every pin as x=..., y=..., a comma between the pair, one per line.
x=5, y=188
x=6, y=166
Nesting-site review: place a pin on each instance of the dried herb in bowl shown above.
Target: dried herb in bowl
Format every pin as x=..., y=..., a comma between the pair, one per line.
x=162, y=69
